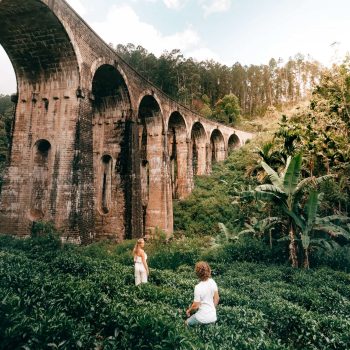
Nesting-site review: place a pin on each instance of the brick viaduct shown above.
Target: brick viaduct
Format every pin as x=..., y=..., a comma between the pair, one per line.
x=96, y=148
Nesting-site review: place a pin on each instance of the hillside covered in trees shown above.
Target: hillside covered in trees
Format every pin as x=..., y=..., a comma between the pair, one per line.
x=288, y=188
x=221, y=92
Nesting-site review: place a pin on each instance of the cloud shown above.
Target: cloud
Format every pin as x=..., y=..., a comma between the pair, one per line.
x=78, y=6
x=212, y=6
x=174, y=4
x=123, y=26
x=203, y=54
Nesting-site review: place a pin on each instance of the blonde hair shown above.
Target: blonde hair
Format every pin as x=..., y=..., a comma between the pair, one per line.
x=203, y=270
x=138, y=246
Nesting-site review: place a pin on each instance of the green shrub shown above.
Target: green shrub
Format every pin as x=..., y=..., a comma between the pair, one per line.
x=249, y=249
x=84, y=299
x=336, y=258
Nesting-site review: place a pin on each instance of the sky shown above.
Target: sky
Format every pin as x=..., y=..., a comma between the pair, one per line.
x=227, y=31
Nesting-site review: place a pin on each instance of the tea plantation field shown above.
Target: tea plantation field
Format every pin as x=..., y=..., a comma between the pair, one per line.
x=66, y=297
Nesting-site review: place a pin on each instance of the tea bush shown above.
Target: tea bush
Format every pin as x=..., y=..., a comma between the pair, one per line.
x=67, y=297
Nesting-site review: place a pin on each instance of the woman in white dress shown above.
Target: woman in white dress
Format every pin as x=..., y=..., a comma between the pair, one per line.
x=140, y=260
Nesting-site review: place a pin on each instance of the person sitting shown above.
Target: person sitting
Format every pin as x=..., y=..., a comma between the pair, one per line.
x=140, y=260
x=206, y=297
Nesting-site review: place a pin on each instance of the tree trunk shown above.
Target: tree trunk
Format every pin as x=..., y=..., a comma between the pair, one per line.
x=306, y=259
x=292, y=247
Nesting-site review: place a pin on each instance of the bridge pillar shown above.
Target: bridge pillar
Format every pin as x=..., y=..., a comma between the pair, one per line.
x=159, y=206
x=202, y=159
x=182, y=181
x=208, y=160
x=133, y=209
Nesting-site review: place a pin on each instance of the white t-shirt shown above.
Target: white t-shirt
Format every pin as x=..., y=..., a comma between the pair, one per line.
x=204, y=294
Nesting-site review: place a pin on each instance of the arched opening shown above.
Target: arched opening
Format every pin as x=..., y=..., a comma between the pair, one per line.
x=151, y=143
x=177, y=148
x=111, y=105
x=45, y=52
x=106, y=180
x=8, y=82
x=109, y=89
x=233, y=143
x=198, y=140
x=40, y=179
x=217, y=146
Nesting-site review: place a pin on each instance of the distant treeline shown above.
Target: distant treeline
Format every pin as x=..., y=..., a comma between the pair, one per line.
x=196, y=83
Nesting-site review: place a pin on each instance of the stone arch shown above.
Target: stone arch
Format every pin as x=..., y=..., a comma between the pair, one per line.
x=148, y=99
x=109, y=89
x=100, y=65
x=153, y=162
x=217, y=146
x=110, y=104
x=233, y=143
x=198, y=144
x=45, y=52
x=47, y=74
x=40, y=180
x=178, y=153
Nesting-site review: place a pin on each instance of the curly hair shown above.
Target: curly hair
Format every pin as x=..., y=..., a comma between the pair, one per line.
x=202, y=270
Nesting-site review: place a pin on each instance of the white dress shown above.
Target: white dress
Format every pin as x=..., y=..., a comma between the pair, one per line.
x=140, y=270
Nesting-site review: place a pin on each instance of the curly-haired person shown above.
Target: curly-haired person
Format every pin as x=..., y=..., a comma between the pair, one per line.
x=206, y=297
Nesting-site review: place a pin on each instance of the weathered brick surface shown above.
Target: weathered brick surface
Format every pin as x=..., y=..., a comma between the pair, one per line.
x=96, y=149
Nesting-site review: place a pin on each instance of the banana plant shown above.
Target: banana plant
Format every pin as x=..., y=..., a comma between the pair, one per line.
x=225, y=235
x=309, y=222
x=286, y=190
x=259, y=228
x=306, y=223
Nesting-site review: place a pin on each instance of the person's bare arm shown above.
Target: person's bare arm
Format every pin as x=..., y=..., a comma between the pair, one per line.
x=216, y=298
x=144, y=261
x=194, y=306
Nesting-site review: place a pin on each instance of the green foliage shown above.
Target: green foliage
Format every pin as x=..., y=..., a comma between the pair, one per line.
x=258, y=88
x=6, y=116
x=288, y=192
x=227, y=110
x=247, y=248
x=77, y=300
x=211, y=200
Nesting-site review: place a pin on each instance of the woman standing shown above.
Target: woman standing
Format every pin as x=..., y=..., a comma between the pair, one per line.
x=140, y=260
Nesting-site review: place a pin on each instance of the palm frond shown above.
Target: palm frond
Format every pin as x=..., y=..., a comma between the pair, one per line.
x=333, y=230
x=291, y=178
x=286, y=166
x=273, y=176
x=311, y=207
x=312, y=182
x=267, y=195
x=224, y=230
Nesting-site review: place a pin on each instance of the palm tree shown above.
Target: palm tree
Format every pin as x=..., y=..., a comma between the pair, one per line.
x=309, y=222
x=286, y=189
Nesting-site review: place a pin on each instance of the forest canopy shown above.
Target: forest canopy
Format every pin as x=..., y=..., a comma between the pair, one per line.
x=202, y=85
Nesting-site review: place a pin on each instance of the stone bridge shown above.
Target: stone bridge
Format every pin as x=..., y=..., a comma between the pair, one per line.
x=96, y=148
